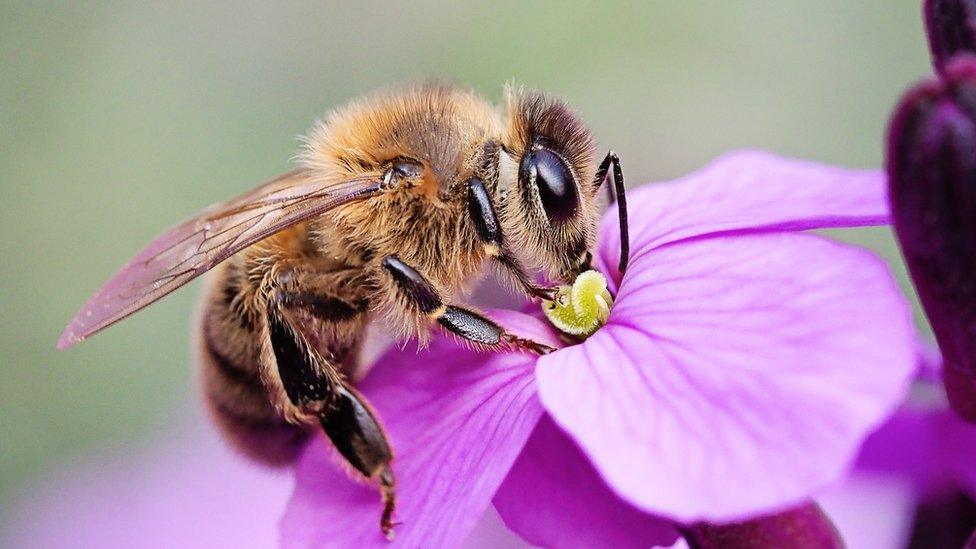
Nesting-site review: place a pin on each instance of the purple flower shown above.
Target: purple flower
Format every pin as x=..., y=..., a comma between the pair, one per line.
x=742, y=365
x=931, y=165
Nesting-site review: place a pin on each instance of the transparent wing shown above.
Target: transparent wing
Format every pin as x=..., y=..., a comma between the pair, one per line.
x=196, y=246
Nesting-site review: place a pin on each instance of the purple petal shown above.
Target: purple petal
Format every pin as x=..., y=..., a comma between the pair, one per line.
x=746, y=191
x=552, y=497
x=492, y=532
x=932, y=448
x=805, y=526
x=871, y=511
x=457, y=421
x=929, y=362
x=736, y=374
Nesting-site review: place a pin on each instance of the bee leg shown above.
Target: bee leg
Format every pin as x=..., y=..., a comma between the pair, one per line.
x=482, y=212
x=618, y=194
x=308, y=378
x=315, y=387
x=462, y=322
x=353, y=428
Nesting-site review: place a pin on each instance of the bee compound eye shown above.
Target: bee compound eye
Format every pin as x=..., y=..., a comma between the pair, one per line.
x=555, y=183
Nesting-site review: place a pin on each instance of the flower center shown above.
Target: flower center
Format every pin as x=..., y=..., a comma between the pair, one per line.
x=582, y=308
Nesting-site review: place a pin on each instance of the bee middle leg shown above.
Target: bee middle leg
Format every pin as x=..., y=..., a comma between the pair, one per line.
x=463, y=322
x=318, y=391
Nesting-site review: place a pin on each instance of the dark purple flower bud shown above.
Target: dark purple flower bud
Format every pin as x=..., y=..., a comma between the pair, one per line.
x=804, y=527
x=931, y=164
x=951, y=29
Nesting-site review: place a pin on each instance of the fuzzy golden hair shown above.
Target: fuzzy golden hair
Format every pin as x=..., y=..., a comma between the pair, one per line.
x=453, y=135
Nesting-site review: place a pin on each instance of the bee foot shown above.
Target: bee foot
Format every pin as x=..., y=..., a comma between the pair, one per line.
x=388, y=491
x=527, y=344
x=545, y=294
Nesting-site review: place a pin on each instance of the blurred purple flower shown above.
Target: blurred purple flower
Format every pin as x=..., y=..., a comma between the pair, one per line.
x=924, y=443
x=188, y=491
x=185, y=490
x=951, y=29
x=928, y=450
x=742, y=365
x=931, y=165
x=805, y=526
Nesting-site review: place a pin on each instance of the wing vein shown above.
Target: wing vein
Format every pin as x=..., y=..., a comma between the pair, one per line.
x=196, y=246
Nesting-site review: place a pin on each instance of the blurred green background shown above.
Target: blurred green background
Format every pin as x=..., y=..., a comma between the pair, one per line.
x=121, y=119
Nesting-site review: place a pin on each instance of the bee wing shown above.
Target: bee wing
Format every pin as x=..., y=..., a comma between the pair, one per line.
x=196, y=246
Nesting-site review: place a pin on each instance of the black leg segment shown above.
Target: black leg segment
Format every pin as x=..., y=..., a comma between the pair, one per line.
x=305, y=380
x=414, y=284
x=470, y=326
x=315, y=386
x=464, y=323
x=486, y=223
x=356, y=433
x=482, y=212
x=324, y=308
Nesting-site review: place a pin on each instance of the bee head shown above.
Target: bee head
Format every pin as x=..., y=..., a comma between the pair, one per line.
x=549, y=204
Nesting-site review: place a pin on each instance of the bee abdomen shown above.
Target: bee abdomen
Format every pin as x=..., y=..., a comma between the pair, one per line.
x=238, y=402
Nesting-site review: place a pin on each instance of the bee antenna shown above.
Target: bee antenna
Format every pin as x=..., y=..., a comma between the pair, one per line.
x=618, y=195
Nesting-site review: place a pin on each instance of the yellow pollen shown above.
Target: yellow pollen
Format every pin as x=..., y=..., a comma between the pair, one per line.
x=582, y=308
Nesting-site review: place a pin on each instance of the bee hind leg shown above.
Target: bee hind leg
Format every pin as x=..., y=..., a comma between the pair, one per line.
x=354, y=429
x=318, y=391
x=465, y=323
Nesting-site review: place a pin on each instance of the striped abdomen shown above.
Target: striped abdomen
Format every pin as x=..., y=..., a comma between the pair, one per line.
x=237, y=398
x=229, y=358
x=240, y=391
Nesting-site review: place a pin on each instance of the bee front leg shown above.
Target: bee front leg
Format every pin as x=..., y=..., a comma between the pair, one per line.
x=482, y=212
x=460, y=321
x=318, y=392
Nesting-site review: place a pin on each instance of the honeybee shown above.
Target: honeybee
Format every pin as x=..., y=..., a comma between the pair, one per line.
x=399, y=200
